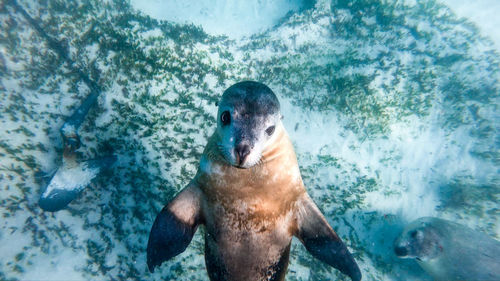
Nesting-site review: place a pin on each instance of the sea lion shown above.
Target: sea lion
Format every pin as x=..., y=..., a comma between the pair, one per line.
x=450, y=251
x=73, y=175
x=249, y=195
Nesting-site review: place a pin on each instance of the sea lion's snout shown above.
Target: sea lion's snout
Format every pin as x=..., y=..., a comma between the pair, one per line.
x=400, y=251
x=241, y=151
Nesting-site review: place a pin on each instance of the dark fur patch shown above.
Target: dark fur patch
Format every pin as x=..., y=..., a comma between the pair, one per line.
x=277, y=271
x=250, y=97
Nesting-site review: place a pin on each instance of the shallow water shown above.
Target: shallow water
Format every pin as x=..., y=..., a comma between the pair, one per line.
x=392, y=108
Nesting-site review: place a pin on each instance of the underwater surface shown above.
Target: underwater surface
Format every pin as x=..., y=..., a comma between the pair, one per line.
x=392, y=107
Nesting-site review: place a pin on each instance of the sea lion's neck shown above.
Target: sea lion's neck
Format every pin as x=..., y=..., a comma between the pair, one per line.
x=278, y=142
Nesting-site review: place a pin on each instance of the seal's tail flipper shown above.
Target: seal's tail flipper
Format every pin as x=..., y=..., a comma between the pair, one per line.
x=321, y=241
x=174, y=227
x=69, y=180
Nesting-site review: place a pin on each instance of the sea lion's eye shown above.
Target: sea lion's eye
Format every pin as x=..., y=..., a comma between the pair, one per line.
x=225, y=118
x=413, y=234
x=270, y=130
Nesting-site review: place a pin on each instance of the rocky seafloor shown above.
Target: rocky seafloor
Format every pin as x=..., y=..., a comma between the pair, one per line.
x=392, y=108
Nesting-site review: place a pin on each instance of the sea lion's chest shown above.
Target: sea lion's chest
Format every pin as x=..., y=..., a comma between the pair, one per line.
x=257, y=199
x=249, y=218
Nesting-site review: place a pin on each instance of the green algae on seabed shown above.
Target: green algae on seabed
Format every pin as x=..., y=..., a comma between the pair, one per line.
x=370, y=64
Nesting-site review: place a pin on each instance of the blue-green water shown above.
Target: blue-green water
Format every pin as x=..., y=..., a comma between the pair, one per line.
x=392, y=108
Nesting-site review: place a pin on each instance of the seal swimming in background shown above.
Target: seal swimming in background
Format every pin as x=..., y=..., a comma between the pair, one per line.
x=73, y=175
x=249, y=195
x=450, y=251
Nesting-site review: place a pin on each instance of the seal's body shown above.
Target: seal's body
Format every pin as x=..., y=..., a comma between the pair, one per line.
x=250, y=213
x=70, y=179
x=249, y=194
x=450, y=251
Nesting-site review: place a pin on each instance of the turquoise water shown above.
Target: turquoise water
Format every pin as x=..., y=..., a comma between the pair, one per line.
x=392, y=108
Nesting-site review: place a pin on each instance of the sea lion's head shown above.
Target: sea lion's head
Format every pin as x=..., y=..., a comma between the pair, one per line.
x=248, y=115
x=419, y=240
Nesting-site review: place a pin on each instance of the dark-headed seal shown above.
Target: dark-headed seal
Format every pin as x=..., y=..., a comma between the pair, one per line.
x=450, y=251
x=249, y=195
x=73, y=175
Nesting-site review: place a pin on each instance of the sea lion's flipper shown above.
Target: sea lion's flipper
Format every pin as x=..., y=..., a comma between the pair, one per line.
x=174, y=227
x=322, y=241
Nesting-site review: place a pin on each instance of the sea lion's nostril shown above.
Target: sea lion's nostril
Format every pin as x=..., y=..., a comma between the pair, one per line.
x=242, y=151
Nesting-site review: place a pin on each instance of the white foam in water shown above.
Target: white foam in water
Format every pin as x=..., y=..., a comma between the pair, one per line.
x=221, y=17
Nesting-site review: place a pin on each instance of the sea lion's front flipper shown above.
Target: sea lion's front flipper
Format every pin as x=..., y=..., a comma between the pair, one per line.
x=174, y=227
x=321, y=241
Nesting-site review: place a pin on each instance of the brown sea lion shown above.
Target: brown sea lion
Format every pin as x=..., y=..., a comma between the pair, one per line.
x=249, y=195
